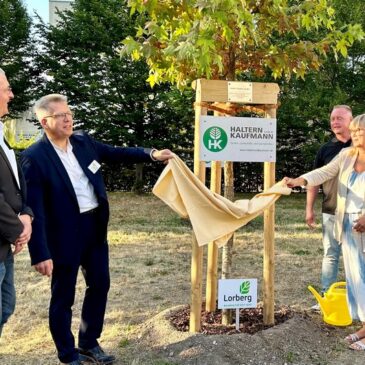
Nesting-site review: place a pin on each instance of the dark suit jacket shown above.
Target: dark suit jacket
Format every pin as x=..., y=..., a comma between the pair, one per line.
x=12, y=202
x=56, y=233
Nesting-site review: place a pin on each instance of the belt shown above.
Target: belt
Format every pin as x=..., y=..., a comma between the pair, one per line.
x=91, y=211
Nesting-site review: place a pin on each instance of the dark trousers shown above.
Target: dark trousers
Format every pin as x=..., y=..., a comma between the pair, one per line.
x=94, y=263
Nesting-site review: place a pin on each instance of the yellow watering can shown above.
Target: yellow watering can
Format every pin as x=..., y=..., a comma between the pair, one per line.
x=334, y=305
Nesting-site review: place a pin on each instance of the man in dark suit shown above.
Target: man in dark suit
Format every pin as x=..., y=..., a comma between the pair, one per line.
x=15, y=216
x=67, y=194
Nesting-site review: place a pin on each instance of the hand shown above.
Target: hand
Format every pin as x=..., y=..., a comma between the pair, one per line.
x=17, y=247
x=45, y=267
x=162, y=155
x=310, y=218
x=291, y=183
x=359, y=224
x=27, y=230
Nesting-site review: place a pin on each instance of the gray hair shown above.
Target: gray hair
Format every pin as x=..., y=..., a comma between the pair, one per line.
x=43, y=104
x=2, y=72
x=346, y=107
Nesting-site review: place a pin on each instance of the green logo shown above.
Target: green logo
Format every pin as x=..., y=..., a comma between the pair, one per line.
x=215, y=139
x=245, y=287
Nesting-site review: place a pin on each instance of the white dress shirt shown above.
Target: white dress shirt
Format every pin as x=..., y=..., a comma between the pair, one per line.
x=84, y=190
x=9, y=154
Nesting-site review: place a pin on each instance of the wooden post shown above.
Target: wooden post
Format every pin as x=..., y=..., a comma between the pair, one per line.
x=269, y=237
x=212, y=259
x=197, y=252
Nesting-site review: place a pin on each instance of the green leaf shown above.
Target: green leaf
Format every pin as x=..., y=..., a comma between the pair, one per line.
x=245, y=287
x=203, y=38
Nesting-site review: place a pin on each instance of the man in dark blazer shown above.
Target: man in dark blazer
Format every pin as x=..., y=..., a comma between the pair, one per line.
x=15, y=216
x=67, y=194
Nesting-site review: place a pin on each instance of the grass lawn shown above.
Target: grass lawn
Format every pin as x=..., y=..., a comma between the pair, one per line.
x=150, y=252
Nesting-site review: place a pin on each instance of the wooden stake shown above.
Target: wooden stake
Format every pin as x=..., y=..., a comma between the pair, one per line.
x=197, y=252
x=196, y=286
x=269, y=238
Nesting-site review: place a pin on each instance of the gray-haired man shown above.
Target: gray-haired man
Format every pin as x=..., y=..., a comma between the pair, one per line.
x=15, y=216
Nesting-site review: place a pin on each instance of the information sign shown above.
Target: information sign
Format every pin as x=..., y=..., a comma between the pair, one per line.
x=237, y=139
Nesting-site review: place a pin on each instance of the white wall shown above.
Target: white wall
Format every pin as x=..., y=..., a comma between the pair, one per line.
x=61, y=5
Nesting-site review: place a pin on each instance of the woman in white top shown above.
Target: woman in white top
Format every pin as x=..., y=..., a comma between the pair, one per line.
x=349, y=229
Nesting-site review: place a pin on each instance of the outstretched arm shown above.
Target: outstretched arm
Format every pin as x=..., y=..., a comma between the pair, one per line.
x=162, y=155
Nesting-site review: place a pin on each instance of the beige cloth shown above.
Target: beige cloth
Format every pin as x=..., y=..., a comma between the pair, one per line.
x=213, y=217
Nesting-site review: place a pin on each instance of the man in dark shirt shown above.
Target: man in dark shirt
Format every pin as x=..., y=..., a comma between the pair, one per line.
x=341, y=117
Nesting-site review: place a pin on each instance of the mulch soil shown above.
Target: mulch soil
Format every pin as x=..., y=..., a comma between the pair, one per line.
x=251, y=320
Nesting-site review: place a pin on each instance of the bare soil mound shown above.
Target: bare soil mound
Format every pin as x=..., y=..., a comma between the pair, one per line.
x=302, y=339
x=251, y=320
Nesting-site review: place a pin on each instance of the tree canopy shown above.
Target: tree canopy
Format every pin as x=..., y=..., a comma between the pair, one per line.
x=16, y=51
x=303, y=116
x=185, y=40
x=109, y=94
x=79, y=58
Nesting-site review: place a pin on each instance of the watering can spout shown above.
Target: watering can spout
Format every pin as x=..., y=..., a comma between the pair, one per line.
x=320, y=299
x=334, y=304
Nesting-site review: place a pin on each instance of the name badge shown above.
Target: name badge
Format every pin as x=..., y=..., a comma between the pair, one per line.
x=94, y=166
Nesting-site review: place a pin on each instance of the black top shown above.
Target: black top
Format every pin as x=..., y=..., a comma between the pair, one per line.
x=325, y=154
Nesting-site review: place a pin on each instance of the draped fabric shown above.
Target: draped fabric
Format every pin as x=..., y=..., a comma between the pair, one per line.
x=213, y=217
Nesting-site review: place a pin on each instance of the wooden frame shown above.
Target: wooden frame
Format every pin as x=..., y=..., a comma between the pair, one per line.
x=264, y=97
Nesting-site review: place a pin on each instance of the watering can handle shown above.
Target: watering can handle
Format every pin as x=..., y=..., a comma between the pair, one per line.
x=338, y=284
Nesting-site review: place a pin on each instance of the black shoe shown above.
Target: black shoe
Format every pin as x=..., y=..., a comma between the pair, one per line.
x=82, y=360
x=75, y=362
x=98, y=355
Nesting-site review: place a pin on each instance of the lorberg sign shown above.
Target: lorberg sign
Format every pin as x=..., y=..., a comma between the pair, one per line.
x=237, y=293
x=237, y=139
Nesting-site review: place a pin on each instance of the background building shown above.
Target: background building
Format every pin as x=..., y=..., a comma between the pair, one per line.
x=57, y=5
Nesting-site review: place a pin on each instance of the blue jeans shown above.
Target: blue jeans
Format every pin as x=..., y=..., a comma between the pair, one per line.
x=7, y=293
x=331, y=252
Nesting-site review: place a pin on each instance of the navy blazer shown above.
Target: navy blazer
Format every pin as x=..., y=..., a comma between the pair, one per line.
x=51, y=196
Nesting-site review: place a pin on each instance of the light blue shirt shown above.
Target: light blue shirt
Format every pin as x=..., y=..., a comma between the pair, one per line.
x=355, y=192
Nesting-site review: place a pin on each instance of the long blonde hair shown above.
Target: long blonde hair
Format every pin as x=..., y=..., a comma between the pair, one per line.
x=357, y=122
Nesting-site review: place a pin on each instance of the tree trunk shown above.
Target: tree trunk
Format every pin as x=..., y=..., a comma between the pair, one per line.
x=229, y=194
x=138, y=182
x=227, y=249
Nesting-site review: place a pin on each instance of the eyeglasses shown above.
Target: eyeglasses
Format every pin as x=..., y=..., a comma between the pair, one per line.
x=357, y=130
x=60, y=116
x=8, y=89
